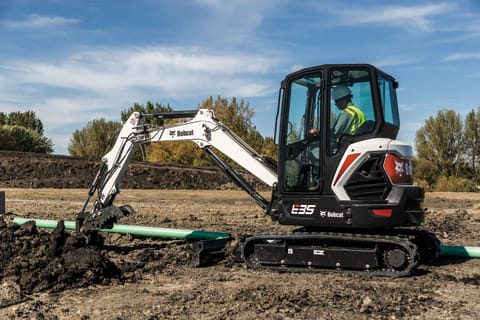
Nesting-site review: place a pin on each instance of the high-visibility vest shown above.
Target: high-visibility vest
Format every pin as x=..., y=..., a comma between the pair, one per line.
x=357, y=115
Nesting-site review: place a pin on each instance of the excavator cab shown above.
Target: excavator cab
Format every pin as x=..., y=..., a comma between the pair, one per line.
x=339, y=164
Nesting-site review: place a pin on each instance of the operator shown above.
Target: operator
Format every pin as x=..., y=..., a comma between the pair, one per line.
x=350, y=117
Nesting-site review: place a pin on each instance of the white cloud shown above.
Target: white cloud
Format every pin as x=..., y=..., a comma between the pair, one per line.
x=66, y=111
x=250, y=10
x=40, y=21
x=463, y=36
x=462, y=56
x=167, y=69
x=234, y=21
x=395, y=61
x=69, y=92
x=414, y=18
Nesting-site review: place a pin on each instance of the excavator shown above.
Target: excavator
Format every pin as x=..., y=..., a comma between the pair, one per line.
x=349, y=194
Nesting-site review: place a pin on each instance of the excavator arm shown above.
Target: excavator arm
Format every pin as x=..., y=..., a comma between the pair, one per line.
x=202, y=128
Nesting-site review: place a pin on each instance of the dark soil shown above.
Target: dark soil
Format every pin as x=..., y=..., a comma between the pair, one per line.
x=38, y=260
x=39, y=170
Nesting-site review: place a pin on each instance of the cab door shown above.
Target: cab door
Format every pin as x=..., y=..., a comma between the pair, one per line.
x=300, y=149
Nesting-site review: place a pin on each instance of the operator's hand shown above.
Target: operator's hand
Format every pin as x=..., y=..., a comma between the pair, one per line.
x=313, y=132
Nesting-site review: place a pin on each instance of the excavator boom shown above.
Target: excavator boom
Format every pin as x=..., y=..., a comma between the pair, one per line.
x=202, y=128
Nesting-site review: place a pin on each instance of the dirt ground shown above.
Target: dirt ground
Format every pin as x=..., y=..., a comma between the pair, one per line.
x=155, y=280
x=50, y=274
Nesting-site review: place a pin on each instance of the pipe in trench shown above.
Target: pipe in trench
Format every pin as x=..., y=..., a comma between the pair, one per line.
x=171, y=233
x=156, y=232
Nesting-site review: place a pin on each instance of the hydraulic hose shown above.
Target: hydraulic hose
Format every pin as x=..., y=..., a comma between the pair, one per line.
x=144, y=231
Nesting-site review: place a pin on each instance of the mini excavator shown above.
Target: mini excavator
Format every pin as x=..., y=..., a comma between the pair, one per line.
x=350, y=193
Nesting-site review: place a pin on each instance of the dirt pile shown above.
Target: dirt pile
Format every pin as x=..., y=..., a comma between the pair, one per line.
x=39, y=170
x=33, y=260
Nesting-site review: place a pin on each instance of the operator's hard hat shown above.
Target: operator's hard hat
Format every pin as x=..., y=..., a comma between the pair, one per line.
x=340, y=91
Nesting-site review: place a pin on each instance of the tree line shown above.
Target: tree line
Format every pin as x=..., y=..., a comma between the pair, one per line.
x=448, y=152
x=92, y=141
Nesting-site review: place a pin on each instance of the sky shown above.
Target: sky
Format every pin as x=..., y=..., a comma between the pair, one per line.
x=75, y=61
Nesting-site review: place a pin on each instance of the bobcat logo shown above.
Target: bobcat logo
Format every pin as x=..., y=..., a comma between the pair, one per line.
x=399, y=168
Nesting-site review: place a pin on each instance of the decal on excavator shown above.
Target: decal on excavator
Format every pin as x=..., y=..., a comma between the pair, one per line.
x=303, y=209
x=398, y=170
x=331, y=214
x=181, y=133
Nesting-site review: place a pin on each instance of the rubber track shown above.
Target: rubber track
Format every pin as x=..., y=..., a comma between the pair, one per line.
x=404, y=242
x=427, y=243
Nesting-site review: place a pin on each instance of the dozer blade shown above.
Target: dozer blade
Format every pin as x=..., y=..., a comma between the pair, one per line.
x=208, y=252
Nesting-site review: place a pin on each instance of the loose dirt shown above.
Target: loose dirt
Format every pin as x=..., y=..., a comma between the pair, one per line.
x=50, y=274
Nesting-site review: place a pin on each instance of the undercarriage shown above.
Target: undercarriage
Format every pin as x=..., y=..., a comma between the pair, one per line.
x=393, y=254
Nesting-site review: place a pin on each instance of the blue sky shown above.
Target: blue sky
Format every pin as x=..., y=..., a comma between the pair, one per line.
x=74, y=61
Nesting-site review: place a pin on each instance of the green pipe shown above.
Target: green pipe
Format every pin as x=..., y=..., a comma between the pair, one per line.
x=157, y=232
x=460, y=251
x=136, y=230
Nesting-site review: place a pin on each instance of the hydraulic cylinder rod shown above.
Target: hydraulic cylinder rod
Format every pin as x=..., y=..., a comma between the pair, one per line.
x=144, y=231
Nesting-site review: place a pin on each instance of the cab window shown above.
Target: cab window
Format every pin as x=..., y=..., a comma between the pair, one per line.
x=389, y=101
x=351, y=111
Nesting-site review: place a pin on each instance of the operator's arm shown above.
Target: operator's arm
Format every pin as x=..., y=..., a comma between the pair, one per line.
x=342, y=125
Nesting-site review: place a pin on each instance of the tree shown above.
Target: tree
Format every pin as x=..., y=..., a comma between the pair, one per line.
x=91, y=140
x=94, y=140
x=236, y=115
x=27, y=119
x=426, y=171
x=7, y=140
x=440, y=141
x=23, y=139
x=453, y=184
x=148, y=108
x=472, y=142
x=23, y=131
x=146, y=150
x=269, y=148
